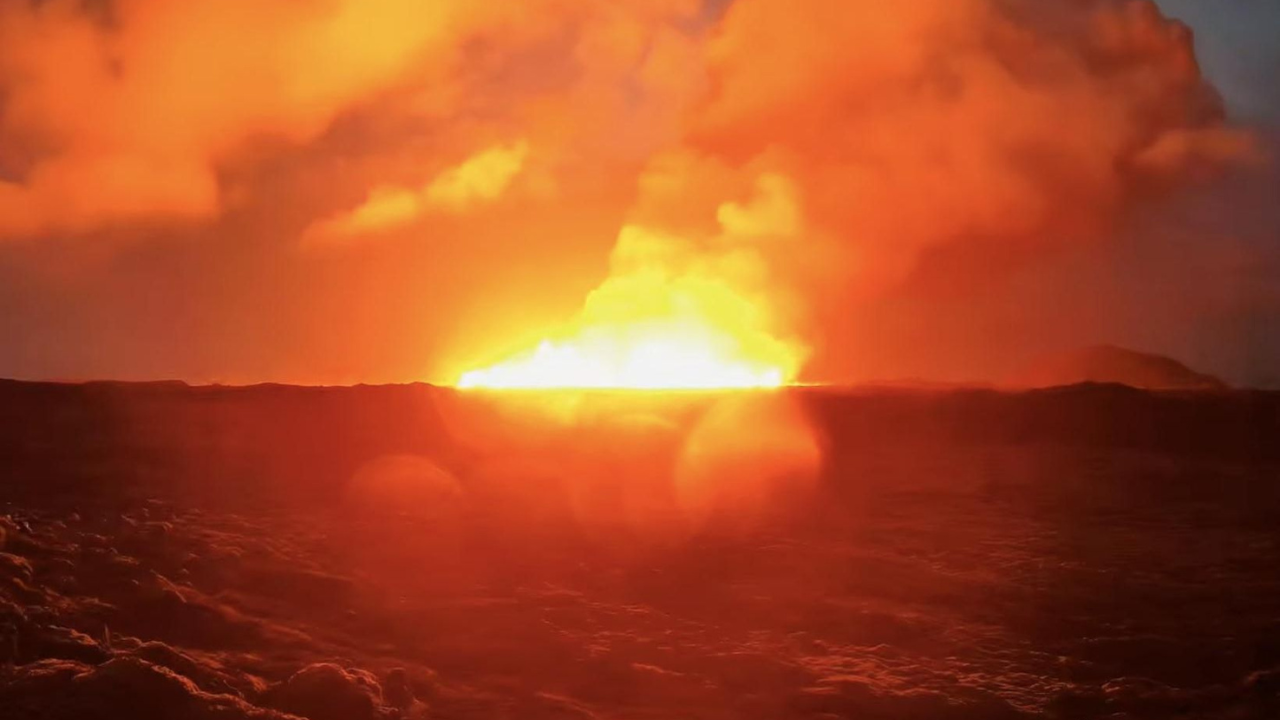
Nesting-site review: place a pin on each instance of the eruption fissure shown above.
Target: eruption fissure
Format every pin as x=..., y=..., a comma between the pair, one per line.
x=674, y=314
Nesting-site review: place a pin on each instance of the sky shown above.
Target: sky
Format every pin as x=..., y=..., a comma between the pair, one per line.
x=1236, y=43
x=346, y=191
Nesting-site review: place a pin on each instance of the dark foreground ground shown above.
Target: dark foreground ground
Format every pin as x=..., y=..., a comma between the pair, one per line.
x=405, y=552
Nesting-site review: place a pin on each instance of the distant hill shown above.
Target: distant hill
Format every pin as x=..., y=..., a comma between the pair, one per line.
x=1110, y=364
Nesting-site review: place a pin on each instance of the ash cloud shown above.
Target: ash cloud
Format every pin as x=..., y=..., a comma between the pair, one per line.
x=931, y=148
x=127, y=111
x=1000, y=129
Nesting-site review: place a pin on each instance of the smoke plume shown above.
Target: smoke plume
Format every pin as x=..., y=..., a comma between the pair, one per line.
x=805, y=156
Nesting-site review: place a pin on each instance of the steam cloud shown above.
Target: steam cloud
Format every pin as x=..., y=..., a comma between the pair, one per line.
x=124, y=111
x=894, y=128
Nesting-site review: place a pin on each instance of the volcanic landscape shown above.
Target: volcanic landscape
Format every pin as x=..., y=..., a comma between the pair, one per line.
x=419, y=552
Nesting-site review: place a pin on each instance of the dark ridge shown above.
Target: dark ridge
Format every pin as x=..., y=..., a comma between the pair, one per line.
x=1110, y=364
x=276, y=439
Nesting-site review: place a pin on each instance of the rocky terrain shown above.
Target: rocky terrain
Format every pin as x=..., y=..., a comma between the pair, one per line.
x=408, y=552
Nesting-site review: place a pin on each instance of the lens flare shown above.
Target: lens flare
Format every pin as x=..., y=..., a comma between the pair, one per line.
x=750, y=458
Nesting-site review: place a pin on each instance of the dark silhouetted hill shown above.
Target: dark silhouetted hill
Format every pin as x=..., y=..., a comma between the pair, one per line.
x=1110, y=364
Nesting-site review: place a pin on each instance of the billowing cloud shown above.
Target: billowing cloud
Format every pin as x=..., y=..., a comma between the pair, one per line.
x=900, y=128
x=804, y=157
x=930, y=121
x=125, y=111
x=480, y=179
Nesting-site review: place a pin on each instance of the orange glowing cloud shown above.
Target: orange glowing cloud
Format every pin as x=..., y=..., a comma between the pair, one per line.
x=480, y=179
x=127, y=114
x=929, y=122
x=898, y=128
x=764, y=167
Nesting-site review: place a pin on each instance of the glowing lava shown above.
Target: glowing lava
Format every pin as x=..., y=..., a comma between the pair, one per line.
x=651, y=330
x=678, y=361
x=660, y=321
x=674, y=313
